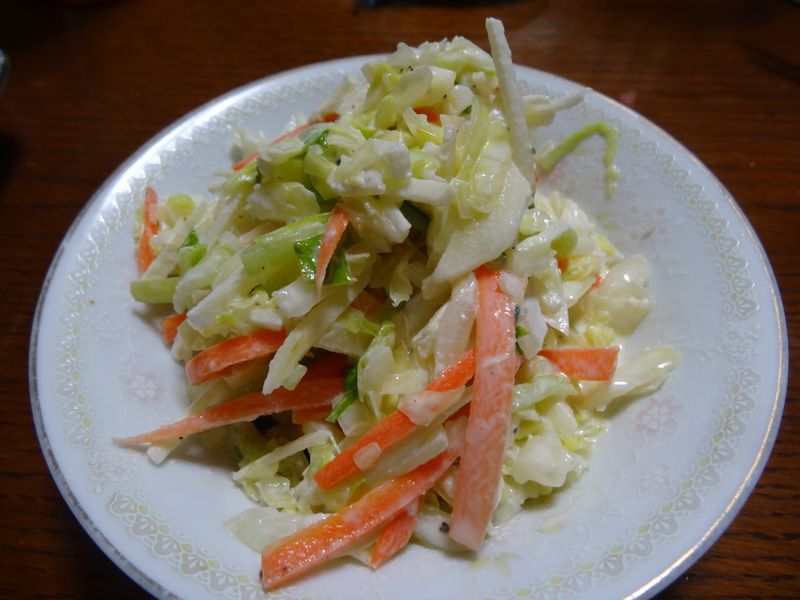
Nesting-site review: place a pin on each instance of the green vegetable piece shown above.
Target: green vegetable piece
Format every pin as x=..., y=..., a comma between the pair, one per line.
x=519, y=332
x=181, y=204
x=350, y=394
x=320, y=140
x=191, y=239
x=272, y=251
x=190, y=255
x=307, y=252
x=154, y=291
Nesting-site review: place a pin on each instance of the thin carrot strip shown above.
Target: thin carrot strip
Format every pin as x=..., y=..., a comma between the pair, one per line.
x=295, y=554
x=169, y=326
x=396, y=534
x=245, y=161
x=490, y=412
x=589, y=364
x=144, y=252
x=324, y=381
x=248, y=159
x=326, y=119
x=393, y=428
x=294, y=132
x=217, y=360
x=334, y=230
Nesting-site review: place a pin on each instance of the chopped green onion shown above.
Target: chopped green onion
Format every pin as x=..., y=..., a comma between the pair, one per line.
x=350, y=395
x=181, y=204
x=154, y=291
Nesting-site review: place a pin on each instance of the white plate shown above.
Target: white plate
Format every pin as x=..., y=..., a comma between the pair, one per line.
x=666, y=480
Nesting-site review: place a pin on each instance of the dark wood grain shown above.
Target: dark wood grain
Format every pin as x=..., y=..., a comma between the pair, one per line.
x=91, y=82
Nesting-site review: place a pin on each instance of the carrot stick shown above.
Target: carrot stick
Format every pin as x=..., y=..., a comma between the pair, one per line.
x=169, y=326
x=395, y=534
x=323, y=382
x=393, y=428
x=490, y=412
x=334, y=230
x=219, y=358
x=295, y=554
x=589, y=364
x=144, y=252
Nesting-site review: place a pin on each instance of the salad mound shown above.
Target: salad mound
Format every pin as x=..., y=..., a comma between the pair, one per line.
x=401, y=336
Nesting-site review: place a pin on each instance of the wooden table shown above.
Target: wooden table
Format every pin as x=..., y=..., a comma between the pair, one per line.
x=91, y=82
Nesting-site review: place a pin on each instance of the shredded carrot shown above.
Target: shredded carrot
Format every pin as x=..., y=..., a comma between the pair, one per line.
x=490, y=412
x=294, y=132
x=588, y=364
x=295, y=554
x=430, y=114
x=144, y=252
x=393, y=428
x=248, y=159
x=396, y=534
x=326, y=119
x=334, y=230
x=323, y=382
x=245, y=161
x=169, y=326
x=218, y=359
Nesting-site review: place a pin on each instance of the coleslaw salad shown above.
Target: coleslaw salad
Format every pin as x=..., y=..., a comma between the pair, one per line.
x=401, y=337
